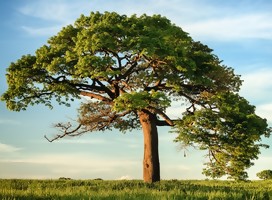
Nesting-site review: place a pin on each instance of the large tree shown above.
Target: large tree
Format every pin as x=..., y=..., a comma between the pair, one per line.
x=132, y=69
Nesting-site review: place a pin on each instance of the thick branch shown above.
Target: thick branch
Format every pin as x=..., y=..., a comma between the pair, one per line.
x=165, y=123
x=36, y=95
x=129, y=71
x=95, y=96
x=116, y=56
x=81, y=86
x=162, y=114
x=106, y=89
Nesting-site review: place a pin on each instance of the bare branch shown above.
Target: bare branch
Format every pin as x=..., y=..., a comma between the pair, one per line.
x=96, y=123
x=65, y=132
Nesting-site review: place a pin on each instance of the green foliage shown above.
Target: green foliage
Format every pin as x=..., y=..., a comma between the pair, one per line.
x=265, y=174
x=141, y=100
x=229, y=129
x=92, y=189
x=131, y=53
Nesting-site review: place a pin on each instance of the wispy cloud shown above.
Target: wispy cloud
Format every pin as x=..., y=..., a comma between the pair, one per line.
x=203, y=20
x=56, y=10
x=42, y=31
x=265, y=111
x=5, y=148
x=257, y=85
x=52, y=14
x=243, y=26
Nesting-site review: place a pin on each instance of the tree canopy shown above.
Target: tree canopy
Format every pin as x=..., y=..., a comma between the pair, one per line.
x=128, y=66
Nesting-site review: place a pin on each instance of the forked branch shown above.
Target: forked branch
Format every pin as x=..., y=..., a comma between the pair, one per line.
x=161, y=114
x=65, y=129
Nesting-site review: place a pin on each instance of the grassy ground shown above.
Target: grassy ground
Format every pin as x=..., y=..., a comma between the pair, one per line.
x=98, y=189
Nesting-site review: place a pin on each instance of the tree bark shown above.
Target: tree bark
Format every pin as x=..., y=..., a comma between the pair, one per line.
x=151, y=164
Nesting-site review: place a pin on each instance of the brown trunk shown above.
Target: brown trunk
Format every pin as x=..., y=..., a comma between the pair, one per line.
x=151, y=164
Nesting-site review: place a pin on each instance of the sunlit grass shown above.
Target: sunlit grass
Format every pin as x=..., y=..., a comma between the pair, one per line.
x=135, y=189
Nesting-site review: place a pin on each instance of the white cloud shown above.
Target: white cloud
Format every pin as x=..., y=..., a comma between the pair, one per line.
x=201, y=20
x=5, y=148
x=243, y=26
x=44, y=31
x=257, y=85
x=265, y=111
x=58, y=11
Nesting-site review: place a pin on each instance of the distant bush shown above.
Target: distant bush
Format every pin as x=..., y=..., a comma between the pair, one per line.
x=64, y=178
x=265, y=174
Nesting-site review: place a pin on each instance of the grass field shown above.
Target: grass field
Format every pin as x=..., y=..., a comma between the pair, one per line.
x=135, y=189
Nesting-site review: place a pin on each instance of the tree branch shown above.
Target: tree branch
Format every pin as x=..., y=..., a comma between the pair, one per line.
x=158, y=86
x=129, y=71
x=160, y=113
x=165, y=123
x=106, y=89
x=98, y=123
x=81, y=86
x=65, y=131
x=96, y=96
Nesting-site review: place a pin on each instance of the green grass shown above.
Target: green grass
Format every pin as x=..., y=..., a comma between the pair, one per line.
x=96, y=189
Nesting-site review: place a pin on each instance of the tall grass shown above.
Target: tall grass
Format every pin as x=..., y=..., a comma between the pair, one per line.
x=96, y=189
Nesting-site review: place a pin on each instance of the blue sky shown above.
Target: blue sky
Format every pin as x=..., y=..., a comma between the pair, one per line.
x=240, y=32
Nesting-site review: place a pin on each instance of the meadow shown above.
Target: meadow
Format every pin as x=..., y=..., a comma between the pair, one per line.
x=11, y=189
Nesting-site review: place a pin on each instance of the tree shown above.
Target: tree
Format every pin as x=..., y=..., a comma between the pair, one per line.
x=265, y=174
x=131, y=69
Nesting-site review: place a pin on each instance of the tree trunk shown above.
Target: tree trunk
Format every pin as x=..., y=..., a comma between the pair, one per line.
x=151, y=164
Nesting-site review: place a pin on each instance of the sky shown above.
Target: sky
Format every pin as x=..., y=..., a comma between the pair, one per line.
x=240, y=32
